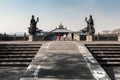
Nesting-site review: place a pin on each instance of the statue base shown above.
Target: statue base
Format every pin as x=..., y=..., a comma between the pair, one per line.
x=36, y=38
x=118, y=37
x=89, y=38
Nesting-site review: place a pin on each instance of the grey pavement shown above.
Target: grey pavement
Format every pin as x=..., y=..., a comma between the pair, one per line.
x=55, y=60
x=11, y=73
x=60, y=60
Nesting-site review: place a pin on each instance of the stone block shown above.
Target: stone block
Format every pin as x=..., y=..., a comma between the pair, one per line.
x=118, y=37
x=36, y=38
x=89, y=38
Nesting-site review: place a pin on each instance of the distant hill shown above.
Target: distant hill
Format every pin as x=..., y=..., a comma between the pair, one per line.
x=115, y=31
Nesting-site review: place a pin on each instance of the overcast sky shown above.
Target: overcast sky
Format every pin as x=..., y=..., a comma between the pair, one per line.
x=15, y=15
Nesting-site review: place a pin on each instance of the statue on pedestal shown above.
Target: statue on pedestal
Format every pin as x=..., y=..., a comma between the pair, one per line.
x=32, y=28
x=90, y=26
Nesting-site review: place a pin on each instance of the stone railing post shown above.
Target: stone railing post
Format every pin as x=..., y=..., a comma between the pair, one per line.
x=89, y=37
x=14, y=36
x=118, y=36
x=24, y=37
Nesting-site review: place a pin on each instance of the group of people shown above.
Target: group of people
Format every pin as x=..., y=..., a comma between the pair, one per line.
x=65, y=36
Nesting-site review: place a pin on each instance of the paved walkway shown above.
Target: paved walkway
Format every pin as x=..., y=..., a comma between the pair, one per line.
x=55, y=60
x=11, y=73
x=60, y=60
x=64, y=61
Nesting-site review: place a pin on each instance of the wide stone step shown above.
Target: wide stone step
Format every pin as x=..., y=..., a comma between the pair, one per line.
x=14, y=64
x=99, y=54
x=110, y=64
x=25, y=52
x=103, y=44
x=105, y=49
x=16, y=56
x=12, y=50
x=17, y=53
x=106, y=52
x=16, y=60
x=107, y=56
x=20, y=44
x=108, y=60
x=21, y=49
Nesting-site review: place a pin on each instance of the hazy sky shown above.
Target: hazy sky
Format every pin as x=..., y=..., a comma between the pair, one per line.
x=15, y=15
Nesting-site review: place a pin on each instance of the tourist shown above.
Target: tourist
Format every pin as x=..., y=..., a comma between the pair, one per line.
x=59, y=36
x=64, y=37
x=72, y=35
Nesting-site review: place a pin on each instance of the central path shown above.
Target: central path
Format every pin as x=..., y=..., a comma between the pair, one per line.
x=62, y=60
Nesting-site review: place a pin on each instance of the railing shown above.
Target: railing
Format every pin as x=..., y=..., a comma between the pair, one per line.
x=77, y=36
x=106, y=37
x=101, y=37
x=13, y=38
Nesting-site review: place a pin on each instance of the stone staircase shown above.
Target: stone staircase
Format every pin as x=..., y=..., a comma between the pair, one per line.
x=17, y=55
x=108, y=56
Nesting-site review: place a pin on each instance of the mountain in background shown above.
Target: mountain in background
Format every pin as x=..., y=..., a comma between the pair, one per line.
x=115, y=31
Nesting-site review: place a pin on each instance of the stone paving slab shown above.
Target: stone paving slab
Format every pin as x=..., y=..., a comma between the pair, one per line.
x=11, y=73
x=59, y=60
x=64, y=66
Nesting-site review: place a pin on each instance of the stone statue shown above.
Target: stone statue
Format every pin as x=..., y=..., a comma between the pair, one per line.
x=32, y=28
x=90, y=26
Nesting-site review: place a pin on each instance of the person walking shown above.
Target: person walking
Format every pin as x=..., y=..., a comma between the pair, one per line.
x=59, y=36
x=72, y=35
x=64, y=37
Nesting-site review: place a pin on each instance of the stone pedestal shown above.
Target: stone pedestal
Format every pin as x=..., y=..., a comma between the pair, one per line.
x=77, y=37
x=89, y=38
x=118, y=37
x=36, y=38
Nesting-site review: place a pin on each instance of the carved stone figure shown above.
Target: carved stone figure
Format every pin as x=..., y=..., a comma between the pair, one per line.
x=32, y=28
x=90, y=26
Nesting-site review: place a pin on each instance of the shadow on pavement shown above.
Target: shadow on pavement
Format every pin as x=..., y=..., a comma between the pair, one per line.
x=65, y=66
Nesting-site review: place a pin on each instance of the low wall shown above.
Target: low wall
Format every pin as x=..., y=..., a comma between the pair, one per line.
x=105, y=38
x=100, y=38
x=12, y=38
x=77, y=37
